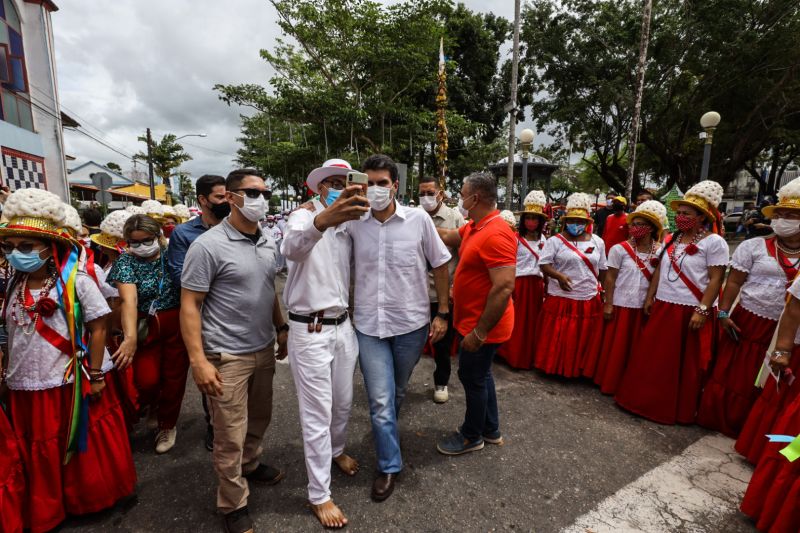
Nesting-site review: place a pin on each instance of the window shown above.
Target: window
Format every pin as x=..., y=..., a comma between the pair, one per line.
x=15, y=104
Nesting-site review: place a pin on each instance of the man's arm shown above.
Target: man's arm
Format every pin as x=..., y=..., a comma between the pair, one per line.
x=206, y=376
x=441, y=282
x=278, y=321
x=176, y=254
x=450, y=237
x=503, y=279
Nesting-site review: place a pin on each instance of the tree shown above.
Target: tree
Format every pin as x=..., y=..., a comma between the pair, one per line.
x=369, y=86
x=115, y=167
x=740, y=57
x=186, y=188
x=167, y=156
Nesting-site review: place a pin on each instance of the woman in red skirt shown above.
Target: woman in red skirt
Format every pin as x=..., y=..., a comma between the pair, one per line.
x=529, y=286
x=75, y=462
x=773, y=495
x=668, y=363
x=630, y=268
x=761, y=270
x=570, y=327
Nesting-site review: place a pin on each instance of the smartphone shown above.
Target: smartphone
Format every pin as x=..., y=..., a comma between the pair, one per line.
x=357, y=178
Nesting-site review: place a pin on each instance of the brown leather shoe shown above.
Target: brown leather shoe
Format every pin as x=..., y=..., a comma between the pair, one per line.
x=383, y=486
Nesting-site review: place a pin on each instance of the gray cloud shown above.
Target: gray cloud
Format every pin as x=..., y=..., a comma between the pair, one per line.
x=133, y=64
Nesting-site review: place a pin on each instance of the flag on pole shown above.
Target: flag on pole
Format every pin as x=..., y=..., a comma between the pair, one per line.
x=441, y=123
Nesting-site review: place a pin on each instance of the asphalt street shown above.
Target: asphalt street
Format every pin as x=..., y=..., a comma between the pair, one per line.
x=572, y=461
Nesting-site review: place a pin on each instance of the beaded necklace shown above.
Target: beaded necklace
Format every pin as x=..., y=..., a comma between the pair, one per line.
x=650, y=254
x=678, y=257
x=19, y=310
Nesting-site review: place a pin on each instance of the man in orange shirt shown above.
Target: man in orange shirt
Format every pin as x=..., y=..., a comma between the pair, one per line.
x=615, y=229
x=483, y=313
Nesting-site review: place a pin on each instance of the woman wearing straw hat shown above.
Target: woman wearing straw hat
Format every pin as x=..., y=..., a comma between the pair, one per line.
x=571, y=324
x=761, y=270
x=529, y=286
x=772, y=498
x=150, y=322
x=668, y=363
x=630, y=269
x=49, y=378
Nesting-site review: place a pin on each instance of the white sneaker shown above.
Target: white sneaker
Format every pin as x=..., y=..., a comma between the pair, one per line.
x=165, y=440
x=440, y=394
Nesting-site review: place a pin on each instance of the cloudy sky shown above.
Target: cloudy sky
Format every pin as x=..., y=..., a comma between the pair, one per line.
x=127, y=65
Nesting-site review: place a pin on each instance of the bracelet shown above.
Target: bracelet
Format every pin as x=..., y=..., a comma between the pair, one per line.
x=779, y=353
x=723, y=314
x=701, y=312
x=96, y=377
x=475, y=332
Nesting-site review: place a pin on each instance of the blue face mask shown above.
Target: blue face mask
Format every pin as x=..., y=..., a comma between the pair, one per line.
x=333, y=194
x=576, y=230
x=25, y=262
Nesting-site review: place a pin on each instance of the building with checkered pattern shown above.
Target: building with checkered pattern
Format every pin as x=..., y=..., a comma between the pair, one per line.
x=31, y=121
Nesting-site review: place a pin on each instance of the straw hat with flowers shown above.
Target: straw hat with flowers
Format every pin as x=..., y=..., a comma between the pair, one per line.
x=704, y=196
x=110, y=235
x=534, y=204
x=579, y=205
x=34, y=213
x=788, y=198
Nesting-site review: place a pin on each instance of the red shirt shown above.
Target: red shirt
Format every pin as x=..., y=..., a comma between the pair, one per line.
x=616, y=230
x=487, y=245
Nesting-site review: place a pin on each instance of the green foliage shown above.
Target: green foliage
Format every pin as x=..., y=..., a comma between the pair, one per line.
x=113, y=166
x=167, y=155
x=354, y=77
x=738, y=57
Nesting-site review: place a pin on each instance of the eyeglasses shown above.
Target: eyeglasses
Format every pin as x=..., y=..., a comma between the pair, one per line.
x=24, y=248
x=255, y=193
x=336, y=185
x=144, y=242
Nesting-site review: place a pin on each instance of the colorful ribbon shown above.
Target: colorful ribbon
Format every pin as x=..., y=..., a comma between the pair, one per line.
x=792, y=451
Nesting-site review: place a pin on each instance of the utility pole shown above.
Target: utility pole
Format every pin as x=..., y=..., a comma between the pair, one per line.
x=633, y=135
x=150, y=165
x=512, y=114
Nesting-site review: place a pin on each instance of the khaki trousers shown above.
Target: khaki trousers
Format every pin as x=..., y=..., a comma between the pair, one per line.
x=240, y=418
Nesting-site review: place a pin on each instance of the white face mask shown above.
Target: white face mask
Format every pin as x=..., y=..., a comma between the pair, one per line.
x=379, y=197
x=253, y=208
x=783, y=227
x=429, y=203
x=463, y=210
x=144, y=250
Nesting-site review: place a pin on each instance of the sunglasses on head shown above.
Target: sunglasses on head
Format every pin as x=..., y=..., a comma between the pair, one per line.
x=24, y=248
x=146, y=242
x=255, y=193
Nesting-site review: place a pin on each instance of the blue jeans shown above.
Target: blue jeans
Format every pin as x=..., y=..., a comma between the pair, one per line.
x=475, y=373
x=387, y=365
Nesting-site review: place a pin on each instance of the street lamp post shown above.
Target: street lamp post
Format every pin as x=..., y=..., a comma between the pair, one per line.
x=709, y=121
x=526, y=140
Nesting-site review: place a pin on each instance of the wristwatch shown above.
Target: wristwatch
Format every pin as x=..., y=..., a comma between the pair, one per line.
x=703, y=307
x=281, y=329
x=443, y=316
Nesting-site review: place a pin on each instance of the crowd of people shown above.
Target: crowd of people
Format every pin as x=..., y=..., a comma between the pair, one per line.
x=105, y=319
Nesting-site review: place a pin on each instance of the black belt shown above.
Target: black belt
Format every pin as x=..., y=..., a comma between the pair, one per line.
x=324, y=321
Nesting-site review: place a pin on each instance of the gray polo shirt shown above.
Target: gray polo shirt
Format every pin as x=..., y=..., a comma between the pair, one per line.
x=238, y=278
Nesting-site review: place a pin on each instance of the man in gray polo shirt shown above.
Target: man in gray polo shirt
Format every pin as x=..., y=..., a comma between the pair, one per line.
x=229, y=316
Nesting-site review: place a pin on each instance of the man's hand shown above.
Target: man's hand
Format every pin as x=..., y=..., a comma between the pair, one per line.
x=283, y=350
x=471, y=343
x=350, y=205
x=207, y=378
x=438, y=329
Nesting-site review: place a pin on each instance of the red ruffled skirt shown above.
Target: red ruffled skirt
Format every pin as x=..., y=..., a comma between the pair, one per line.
x=518, y=351
x=12, y=479
x=773, y=495
x=93, y=480
x=667, y=366
x=766, y=410
x=730, y=391
x=619, y=335
x=568, y=334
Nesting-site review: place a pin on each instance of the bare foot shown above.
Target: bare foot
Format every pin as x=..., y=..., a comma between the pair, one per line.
x=346, y=464
x=329, y=514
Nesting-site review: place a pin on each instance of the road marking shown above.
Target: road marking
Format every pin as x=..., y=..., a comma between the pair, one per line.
x=694, y=491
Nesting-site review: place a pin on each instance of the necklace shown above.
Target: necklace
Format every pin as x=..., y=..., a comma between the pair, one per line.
x=650, y=253
x=19, y=310
x=677, y=257
x=787, y=251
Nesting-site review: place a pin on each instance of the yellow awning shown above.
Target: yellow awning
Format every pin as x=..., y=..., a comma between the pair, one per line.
x=140, y=189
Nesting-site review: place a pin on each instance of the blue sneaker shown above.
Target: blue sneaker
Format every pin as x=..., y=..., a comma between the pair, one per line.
x=494, y=438
x=456, y=444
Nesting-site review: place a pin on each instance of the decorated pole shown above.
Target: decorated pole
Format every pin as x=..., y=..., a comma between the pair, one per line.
x=441, y=123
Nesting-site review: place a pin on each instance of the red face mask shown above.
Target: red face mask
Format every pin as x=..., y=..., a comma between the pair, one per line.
x=639, y=232
x=685, y=223
x=167, y=230
x=531, y=224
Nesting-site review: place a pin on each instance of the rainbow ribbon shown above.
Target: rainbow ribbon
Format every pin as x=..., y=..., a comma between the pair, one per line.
x=75, y=368
x=792, y=451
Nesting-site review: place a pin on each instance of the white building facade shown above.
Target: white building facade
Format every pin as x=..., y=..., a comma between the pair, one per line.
x=31, y=126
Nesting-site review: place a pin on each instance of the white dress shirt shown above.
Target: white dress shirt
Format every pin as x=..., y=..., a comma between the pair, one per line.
x=318, y=264
x=391, y=269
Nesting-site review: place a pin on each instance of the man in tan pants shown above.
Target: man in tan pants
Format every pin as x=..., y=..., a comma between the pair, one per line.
x=229, y=316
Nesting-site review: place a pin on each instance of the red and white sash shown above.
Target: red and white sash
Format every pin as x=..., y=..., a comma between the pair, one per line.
x=585, y=259
x=644, y=269
x=790, y=271
x=693, y=288
x=528, y=246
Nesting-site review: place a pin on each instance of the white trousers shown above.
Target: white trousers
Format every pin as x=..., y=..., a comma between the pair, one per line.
x=323, y=365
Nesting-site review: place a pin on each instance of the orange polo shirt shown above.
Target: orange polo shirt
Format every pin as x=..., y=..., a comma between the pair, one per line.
x=486, y=245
